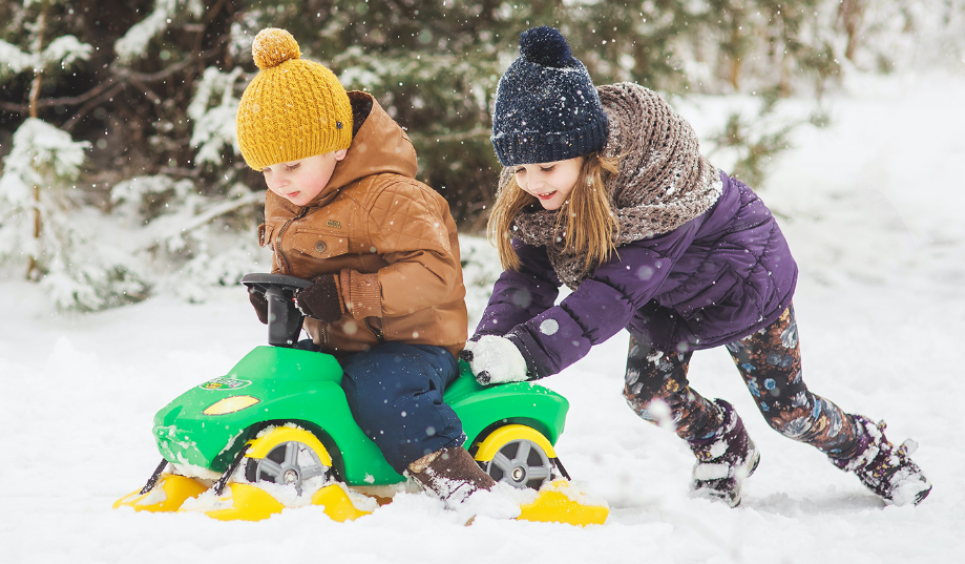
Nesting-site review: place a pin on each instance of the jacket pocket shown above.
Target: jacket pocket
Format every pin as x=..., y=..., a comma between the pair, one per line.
x=722, y=292
x=720, y=309
x=320, y=243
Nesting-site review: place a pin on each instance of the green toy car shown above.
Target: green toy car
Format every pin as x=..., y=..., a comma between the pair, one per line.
x=280, y=418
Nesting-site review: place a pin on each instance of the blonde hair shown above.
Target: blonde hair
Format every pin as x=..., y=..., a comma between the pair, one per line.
x=587, y=224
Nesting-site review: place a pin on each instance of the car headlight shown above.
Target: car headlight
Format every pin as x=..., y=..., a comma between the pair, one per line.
x=230, y=405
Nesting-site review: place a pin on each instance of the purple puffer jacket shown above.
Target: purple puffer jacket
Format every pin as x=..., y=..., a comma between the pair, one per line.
x=713, y=280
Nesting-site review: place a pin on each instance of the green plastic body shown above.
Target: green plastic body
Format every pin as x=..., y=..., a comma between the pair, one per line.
x=304, y=388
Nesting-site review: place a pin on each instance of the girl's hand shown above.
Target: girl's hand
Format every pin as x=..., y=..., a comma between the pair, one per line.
x=494, y=360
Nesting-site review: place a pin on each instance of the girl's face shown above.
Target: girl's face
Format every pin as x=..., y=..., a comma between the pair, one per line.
x=300, y=181
x=551, y=183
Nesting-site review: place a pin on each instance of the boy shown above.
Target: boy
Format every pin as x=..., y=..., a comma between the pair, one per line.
x=387, y=299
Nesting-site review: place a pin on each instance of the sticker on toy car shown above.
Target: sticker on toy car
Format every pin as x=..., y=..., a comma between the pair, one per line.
x=224, y=383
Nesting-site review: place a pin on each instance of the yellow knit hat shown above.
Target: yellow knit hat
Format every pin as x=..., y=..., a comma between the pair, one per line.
x=293, y=108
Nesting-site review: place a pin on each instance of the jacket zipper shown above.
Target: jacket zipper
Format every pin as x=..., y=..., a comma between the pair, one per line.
x=288, y=264
x=376, y=328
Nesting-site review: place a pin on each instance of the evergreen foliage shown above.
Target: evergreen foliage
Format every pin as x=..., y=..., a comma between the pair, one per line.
x=40, y=225
x=149, y=88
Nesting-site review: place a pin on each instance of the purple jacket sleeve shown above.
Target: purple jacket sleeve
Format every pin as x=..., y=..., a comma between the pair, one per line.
x=519, y=296
x=603, y=304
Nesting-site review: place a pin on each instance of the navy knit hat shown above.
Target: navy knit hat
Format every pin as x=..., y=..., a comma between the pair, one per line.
x=547, y=108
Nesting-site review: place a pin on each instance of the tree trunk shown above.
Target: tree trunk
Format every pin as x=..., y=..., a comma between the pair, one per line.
x=851, y=13
x=736, y=53
x=33, y=267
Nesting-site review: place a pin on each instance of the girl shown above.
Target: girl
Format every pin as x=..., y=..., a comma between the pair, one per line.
x=605, y=190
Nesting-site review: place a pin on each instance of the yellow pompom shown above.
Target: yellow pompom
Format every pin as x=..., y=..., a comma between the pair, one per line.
x=273, y=46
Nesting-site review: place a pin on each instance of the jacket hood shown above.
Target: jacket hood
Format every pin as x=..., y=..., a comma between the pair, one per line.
x=379, y=146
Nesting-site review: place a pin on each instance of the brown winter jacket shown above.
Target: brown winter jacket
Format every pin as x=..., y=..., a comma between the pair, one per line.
x=390, y=239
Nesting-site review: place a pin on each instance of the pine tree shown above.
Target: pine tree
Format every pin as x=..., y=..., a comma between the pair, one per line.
x=43, y=160
x=40, y=217
x=40, y=148
x=43, y=219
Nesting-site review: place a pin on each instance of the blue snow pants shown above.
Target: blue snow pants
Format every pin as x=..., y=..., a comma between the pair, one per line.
x=395, y=393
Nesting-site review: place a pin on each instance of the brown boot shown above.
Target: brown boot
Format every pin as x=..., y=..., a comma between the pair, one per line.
x=451, y=474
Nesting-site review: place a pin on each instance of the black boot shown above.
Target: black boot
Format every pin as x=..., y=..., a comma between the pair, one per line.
x=884, y=469
x=724, y=460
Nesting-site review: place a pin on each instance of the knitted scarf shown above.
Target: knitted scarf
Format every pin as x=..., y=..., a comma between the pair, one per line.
x=663, y=180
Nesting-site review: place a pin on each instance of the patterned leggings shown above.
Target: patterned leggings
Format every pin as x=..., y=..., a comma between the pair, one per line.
x=770, y=363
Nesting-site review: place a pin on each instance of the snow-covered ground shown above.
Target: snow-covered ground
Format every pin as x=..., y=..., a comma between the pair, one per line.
x=873, y=211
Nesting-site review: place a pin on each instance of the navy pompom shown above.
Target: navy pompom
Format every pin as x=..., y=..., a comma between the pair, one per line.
x=546, y=46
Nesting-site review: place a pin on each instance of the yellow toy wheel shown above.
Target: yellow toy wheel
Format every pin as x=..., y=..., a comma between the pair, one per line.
x=287, y=455
x=517, y=455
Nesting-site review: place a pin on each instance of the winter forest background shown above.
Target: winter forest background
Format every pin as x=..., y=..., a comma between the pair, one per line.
x=121, y=176
x=120, y=182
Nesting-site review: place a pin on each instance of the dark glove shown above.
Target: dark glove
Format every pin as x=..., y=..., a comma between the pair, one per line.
x=494, y=360
x=322, y=299
x=260, y=303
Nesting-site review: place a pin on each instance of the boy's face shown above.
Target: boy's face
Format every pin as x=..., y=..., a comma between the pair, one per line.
x=551, y=183
x=300, y=181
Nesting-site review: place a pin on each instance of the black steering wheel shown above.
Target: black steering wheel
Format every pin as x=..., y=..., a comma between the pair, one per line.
x=284, y=319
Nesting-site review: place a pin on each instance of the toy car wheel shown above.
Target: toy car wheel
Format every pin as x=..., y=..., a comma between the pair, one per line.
x=286, y=455
x=518, y=455
x=521, y=463
x=290, y=462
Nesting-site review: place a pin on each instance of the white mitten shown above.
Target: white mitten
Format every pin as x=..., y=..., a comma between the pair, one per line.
x=495, y=360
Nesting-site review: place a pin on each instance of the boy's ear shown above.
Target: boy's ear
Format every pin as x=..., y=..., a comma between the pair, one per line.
x=340, y=154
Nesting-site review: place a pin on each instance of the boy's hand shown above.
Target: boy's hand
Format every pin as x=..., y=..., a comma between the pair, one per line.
x=322, y=300
x=494, y=360
x=260, y=303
